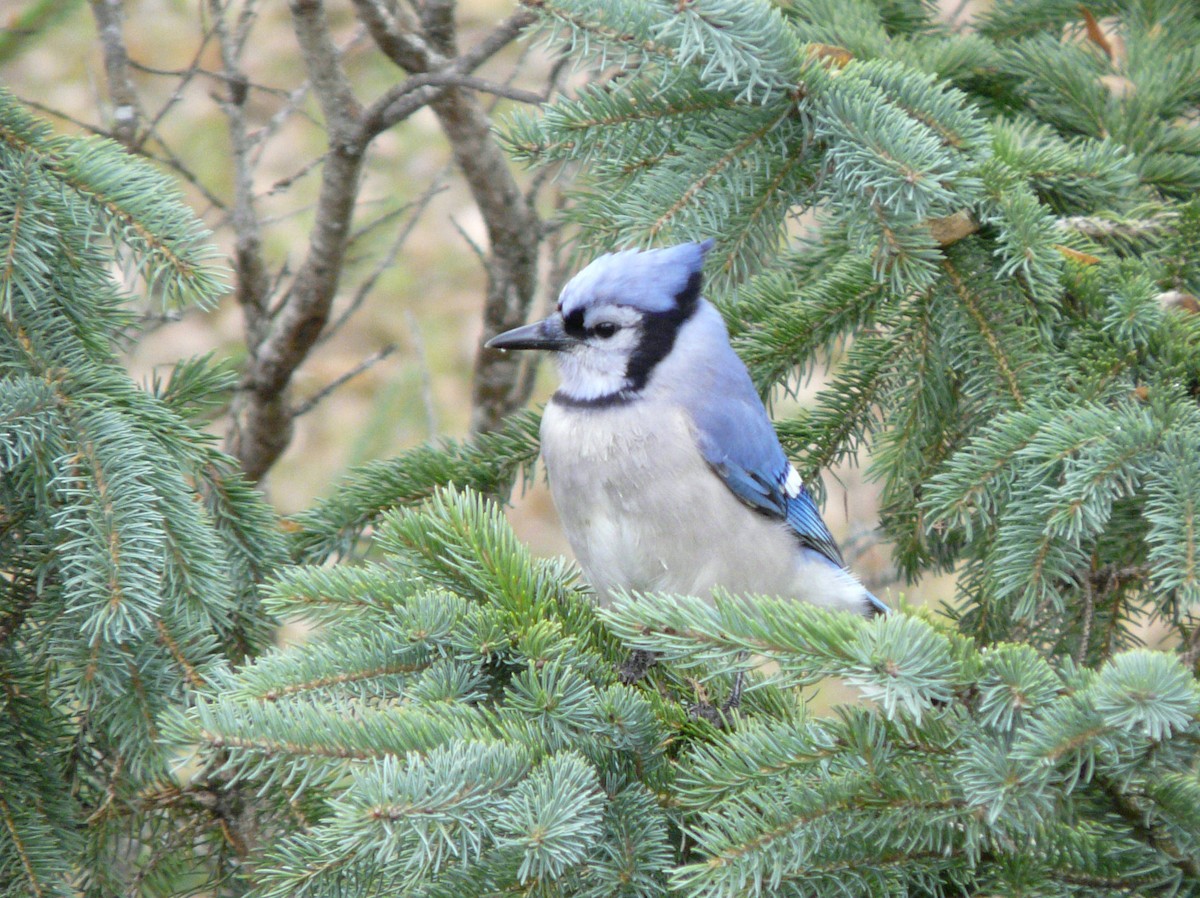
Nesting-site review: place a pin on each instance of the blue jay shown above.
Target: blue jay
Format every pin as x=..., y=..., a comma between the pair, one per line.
x=663, y=465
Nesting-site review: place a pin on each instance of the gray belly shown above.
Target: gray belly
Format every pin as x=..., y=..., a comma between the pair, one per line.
x=643, y=511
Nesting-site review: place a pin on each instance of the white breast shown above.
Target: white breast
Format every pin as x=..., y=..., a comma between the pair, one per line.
x=644, y=511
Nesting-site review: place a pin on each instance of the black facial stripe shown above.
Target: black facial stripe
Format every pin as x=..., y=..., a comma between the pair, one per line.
x=573, y=324
x=689, y=296
x=659, y=330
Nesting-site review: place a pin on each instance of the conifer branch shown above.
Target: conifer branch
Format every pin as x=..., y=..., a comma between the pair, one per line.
x=1137, y=818
x=717, y=166
x=596, y=28
x=971, y=304
x=282, y=340
x=455, y=724
x=1104, y=229
x=175, y=259
x=194, y=678
x=488, y=464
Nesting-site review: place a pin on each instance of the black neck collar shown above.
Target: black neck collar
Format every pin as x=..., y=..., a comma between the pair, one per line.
x=608, y=400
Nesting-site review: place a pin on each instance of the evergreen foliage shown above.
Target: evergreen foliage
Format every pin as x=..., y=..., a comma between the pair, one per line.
x=1003, y=277
x=1030, y=402
x=456, y=727
x=1004, y=282
x=130, y=548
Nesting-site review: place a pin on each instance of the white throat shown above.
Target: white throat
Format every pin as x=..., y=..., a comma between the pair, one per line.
x=587, y=375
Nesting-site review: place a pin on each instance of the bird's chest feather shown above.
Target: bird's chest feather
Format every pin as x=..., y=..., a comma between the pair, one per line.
x=623, y=480
x=643, y=511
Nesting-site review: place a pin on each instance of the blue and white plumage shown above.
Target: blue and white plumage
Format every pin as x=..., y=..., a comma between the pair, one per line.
x=664, y=467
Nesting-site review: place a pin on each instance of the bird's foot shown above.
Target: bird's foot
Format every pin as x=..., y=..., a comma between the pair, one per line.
x=735, y=695
x=720, y=717
x=636, y=666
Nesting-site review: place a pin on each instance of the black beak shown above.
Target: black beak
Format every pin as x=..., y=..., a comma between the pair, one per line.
x=546, y=334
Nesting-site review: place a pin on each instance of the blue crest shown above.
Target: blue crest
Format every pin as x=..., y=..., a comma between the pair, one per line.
x=649, y=280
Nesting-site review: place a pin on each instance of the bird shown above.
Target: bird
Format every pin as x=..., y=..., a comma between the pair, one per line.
x=663, y=464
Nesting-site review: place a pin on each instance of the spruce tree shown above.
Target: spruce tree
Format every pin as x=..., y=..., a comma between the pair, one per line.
x=130, y=548
x=1004, y=277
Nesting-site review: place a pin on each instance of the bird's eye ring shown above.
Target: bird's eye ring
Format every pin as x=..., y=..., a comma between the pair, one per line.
x=604, y=329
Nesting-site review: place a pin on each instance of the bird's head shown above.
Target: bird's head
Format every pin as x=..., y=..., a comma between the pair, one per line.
x=616, y=320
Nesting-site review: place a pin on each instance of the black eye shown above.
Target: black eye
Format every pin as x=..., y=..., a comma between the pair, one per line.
x=605, y=329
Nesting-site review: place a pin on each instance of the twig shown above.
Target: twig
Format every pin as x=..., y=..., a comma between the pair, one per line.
x=252, y=279
x=379, y=221
x=67, y=117
x=148, y=322
x=391, y=100
x=1132, y=229
x=168, y=159
x=293, y=106
x=284, y=183
x=190, y=71
x=173, y=162
x=314, y=400
x=1142, y=828
x=247, y=18
x=288, y=215
x=1089, y=614
x=33, y=18
x=262, y=415
x=184, y=78
x=418, y=344
x=1108, y=580
x=472, y=244
x=360, y=295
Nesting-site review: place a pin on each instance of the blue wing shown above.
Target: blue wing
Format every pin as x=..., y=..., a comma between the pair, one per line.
x=736, y=438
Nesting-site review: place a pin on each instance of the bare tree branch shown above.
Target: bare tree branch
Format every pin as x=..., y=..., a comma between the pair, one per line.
x=437, y=21
x=289, y=109
x=303, y=408
x=286, y=316
x=284, y=183
x=512, y=223
x=164, y=157
x=389, y=259
x=282, y=330
x=183, y=79
x=262, y=425
x=126, y=109
x=252, y=279
x=419, y=91
x=390, y=107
